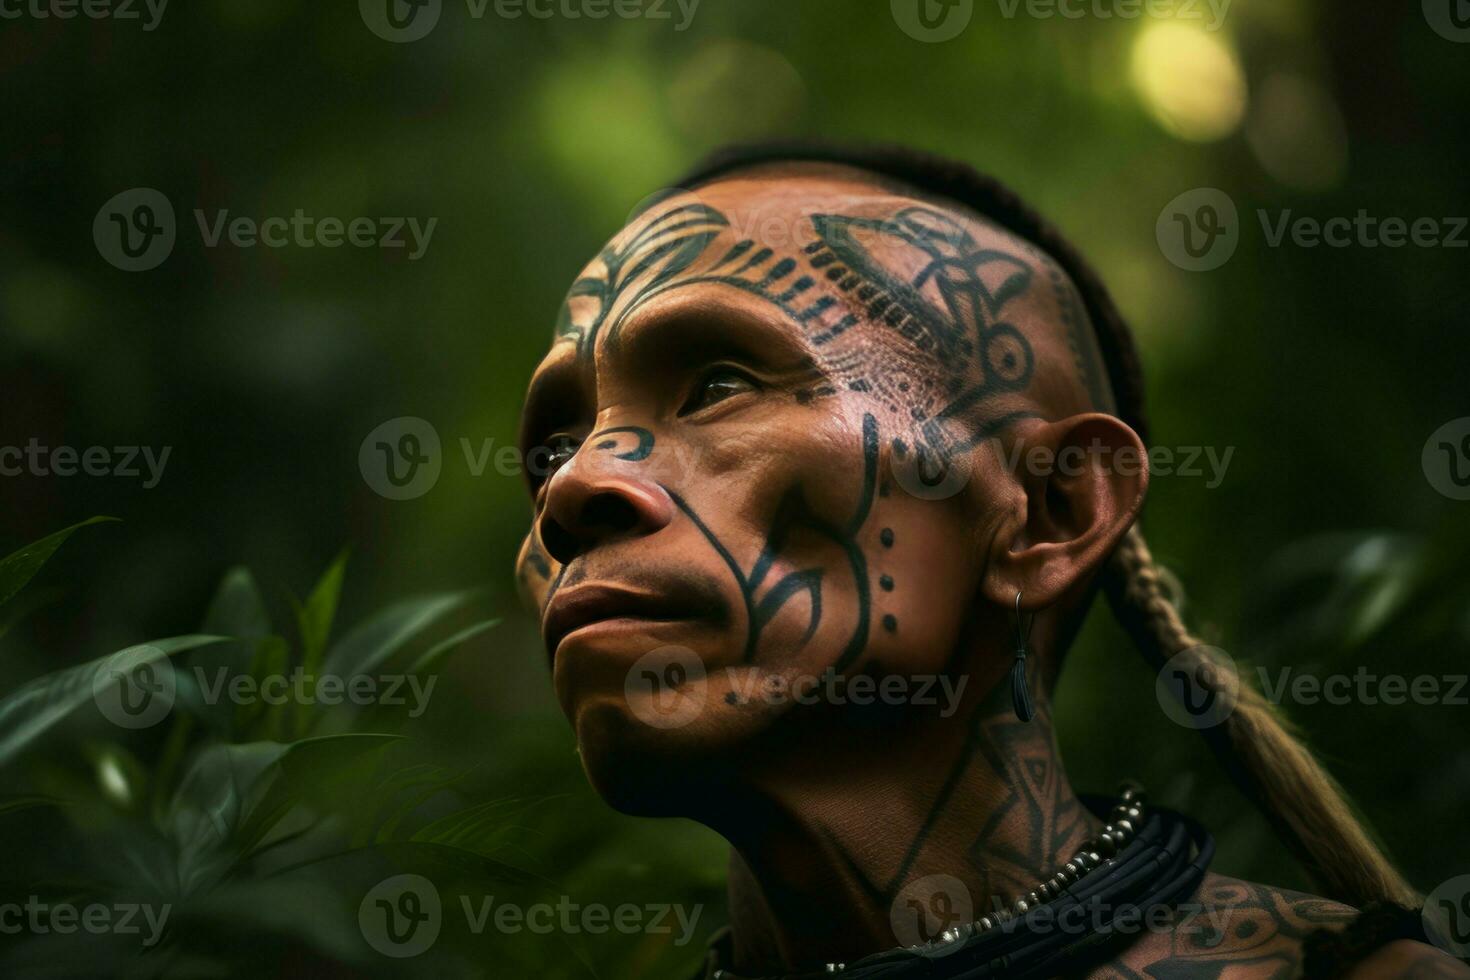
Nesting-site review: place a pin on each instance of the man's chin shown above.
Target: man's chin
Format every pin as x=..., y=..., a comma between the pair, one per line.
x=642, y=769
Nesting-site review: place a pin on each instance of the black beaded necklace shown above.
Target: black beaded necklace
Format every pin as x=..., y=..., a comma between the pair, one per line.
x=1144, y=858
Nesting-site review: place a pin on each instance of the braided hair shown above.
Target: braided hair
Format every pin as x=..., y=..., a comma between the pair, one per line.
x=1255, y=745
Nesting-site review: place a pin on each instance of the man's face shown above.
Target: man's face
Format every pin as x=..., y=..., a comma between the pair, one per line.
x=762, y=435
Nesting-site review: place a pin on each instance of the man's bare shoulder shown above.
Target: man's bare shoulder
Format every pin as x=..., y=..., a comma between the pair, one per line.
x=1229, y=930
x=1405, y=959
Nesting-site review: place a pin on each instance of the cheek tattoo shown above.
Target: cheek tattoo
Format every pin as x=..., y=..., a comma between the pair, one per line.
x=838, y=292
x=794, y=514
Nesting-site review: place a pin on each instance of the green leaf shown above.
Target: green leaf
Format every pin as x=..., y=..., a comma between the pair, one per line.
x=434, y=860
x=371, y=644
x=314, y=769
x=314, y=623
x=401, y=794
x=237, y=609
x=210, y=803
x=35, y=707
x=232, y=795
x=19, y=568
x=15, y=804
x=483, y=828
x=443, y=648
x=314, y=619
x=272, y=658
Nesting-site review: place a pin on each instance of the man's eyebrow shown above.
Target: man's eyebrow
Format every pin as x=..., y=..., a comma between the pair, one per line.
x=712, y=330
x=555, y=398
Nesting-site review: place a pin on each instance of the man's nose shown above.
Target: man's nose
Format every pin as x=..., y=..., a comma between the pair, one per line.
x=596, y=497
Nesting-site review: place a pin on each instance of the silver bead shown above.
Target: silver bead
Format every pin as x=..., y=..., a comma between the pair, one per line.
x=1126, y=826
x=985, y=924
x=1022, y=908
x=1107, y=844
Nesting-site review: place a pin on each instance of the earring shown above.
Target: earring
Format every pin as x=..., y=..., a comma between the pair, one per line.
x=1020, y=694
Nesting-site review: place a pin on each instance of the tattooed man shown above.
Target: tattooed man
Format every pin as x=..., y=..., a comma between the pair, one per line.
x=823, y=440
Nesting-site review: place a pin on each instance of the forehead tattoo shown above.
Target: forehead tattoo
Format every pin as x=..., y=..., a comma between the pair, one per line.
x=862, y=291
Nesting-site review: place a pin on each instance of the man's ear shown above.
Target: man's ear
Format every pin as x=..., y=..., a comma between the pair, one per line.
x=1083, y=479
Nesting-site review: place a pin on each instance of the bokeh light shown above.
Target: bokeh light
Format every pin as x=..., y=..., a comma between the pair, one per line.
x=1190, y=80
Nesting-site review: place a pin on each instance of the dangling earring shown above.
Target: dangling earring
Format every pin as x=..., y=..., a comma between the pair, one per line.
x=1020, y=694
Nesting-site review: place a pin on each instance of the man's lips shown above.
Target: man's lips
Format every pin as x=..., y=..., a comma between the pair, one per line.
x=582, y=605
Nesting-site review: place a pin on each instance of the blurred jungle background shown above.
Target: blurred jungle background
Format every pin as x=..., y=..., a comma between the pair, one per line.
x=1328, y=546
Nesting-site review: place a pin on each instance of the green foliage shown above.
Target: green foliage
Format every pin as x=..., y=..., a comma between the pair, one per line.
x=237, y=803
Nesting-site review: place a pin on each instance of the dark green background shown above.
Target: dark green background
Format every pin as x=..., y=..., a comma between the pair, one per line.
x=1326, y=369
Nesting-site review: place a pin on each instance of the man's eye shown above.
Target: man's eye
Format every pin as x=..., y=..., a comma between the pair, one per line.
x=716, y=387
x=559, y=451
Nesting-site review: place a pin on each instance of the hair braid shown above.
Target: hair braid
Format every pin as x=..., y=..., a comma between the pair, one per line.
x=1254, y=745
